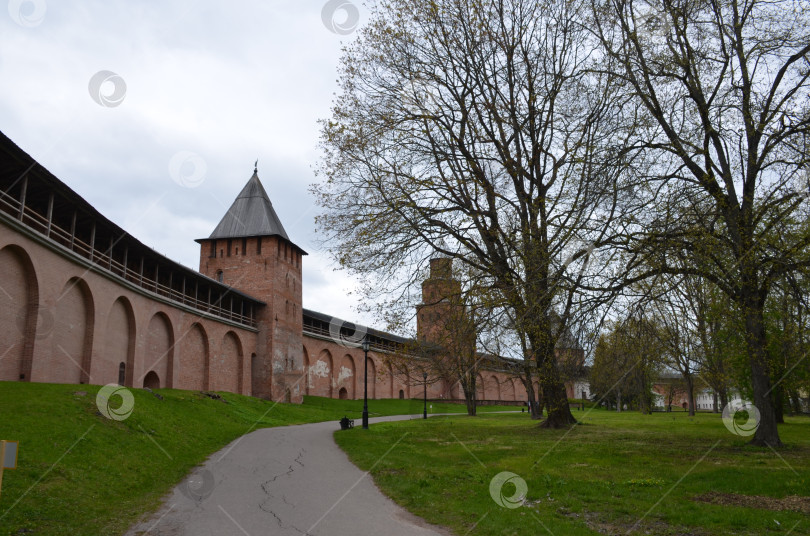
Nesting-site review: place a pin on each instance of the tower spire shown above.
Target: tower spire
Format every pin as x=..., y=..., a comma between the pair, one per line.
x=256, y=166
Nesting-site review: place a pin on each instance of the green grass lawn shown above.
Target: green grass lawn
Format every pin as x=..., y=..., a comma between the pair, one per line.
x=613, y=474
x=81, y=473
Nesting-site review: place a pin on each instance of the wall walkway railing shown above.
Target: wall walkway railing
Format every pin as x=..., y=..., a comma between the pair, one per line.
x=45, y=226
x=376, y=343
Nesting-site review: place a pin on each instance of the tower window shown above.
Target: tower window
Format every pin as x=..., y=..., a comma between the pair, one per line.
x=213, y=249
x=259, y=246
x=220, y=276
x=220, y=253
x=244, y=246
x=229, y=247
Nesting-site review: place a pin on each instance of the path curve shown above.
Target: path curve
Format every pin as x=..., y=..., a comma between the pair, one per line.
x=289, y=480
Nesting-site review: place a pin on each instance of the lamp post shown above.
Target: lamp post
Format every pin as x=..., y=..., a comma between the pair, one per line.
x=424, y=377
x=365, y=383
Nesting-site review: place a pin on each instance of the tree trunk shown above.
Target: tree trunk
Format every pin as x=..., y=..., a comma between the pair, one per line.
x=469, y=395
x=722, y=388
x=690, y=393
x=537, y=404
x=470, y=402
x=537, y=411
x=779, y=404
x=559, y=412
x=618, y=400
x=767, y=433
x=534, y=408
x=472, y=410
x=554, y=397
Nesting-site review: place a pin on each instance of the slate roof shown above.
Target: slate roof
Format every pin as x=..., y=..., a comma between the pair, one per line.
x=251, y=214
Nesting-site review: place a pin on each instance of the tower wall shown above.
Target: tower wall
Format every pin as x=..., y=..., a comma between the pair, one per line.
x=436, y=313
x=269, y=269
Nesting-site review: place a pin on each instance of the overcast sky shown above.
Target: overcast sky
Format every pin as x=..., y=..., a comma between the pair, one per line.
x=154, y=112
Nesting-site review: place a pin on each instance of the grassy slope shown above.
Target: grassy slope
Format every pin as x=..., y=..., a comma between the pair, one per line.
x=80, y=473
x=600, y=477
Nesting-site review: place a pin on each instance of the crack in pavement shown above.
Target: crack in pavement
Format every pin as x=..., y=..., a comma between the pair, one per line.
x=265, y=506
x=289, y=470
x=281, y=524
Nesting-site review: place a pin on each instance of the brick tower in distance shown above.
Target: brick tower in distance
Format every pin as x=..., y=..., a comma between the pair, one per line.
x=440, y=307
x=250, y=251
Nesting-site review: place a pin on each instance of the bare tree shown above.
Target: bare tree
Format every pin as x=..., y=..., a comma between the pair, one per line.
x=482, y=124
x=722, y=89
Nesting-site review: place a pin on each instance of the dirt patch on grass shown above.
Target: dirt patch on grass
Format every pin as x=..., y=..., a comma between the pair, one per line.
x=622, y=527
x=794, y=503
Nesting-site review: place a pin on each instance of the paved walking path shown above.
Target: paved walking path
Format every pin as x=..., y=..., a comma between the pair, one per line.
x=291, y=480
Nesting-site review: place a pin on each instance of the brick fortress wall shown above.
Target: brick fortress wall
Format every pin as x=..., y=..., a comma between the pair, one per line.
x=66, y=321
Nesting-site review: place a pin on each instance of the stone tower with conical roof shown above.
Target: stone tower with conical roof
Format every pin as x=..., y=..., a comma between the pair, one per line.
x=250, y=251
